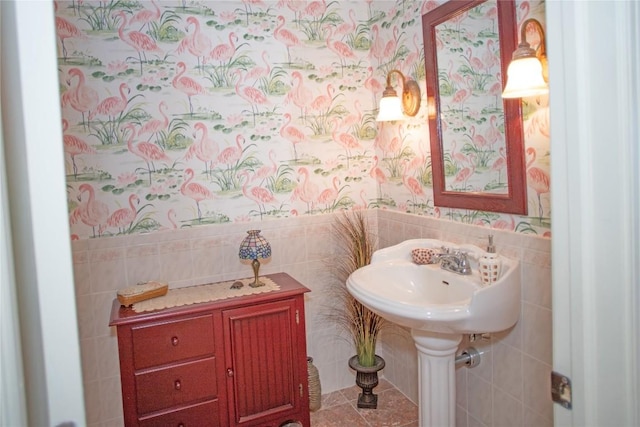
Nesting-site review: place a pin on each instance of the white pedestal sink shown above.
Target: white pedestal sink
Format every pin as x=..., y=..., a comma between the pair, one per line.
x=440, y=307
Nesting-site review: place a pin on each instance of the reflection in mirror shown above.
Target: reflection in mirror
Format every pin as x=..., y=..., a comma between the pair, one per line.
x=476, y=135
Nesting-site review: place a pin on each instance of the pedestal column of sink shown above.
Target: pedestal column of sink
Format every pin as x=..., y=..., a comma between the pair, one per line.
x=436, y=366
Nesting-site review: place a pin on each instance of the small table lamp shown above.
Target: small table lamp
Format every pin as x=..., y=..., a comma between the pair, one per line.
x=255, y=246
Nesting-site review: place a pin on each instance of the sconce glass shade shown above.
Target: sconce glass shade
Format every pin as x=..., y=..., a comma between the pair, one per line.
x=524, y=78
x=254, y=247
x=390, y=109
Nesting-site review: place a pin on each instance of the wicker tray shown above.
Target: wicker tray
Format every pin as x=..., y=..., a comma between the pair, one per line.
x=141, y=291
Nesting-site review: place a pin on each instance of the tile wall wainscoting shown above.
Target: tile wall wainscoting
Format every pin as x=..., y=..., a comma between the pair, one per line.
x=510, y=386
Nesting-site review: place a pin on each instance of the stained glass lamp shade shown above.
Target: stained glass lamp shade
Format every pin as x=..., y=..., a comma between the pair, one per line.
x=255, y=247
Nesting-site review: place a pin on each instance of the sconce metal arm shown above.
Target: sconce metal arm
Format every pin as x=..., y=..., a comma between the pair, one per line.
x=410, y=93
x=524, y=48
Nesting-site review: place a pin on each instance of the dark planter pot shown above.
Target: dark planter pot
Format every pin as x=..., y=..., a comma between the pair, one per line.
x=367, y=379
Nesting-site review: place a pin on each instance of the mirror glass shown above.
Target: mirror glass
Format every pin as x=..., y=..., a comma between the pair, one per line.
x=476, y=135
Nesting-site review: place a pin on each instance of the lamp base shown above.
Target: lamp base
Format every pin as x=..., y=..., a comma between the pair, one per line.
x=255, y=264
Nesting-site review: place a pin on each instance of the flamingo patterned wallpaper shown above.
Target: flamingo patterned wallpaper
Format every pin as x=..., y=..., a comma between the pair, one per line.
x=186, y=113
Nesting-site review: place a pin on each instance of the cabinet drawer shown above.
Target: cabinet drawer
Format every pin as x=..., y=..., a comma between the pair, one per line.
x=176, y=385
x=202, y=415
x=161, y=343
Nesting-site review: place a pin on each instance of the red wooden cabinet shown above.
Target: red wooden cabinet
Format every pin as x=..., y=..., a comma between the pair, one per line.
x=235, y=362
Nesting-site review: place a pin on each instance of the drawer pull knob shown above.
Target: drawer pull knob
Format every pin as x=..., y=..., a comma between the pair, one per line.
x=181, y=425
x=174, y=341
x=177, y=385
x=229, y=372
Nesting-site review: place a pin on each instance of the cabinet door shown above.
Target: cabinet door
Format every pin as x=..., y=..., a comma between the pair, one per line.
x=263, y=362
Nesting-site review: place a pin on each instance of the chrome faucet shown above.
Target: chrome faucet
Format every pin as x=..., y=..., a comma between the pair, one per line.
x=456, y=261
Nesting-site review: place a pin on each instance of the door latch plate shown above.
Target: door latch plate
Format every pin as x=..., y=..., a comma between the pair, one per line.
x=561, y=389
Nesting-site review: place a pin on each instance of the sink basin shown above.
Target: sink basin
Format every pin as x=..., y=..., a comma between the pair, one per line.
x=439, y=306
x=428, y=298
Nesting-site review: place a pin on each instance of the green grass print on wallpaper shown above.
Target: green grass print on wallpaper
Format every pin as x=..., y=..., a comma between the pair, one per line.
x=213, y=112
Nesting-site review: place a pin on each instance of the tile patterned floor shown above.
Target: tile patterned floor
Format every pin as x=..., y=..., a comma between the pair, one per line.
x=339, y=409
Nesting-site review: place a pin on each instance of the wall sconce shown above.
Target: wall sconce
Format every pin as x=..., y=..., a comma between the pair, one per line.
x=253, y=247
x=527, y=72
x=390, y=105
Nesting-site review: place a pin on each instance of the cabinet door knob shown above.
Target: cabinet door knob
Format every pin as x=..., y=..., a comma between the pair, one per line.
x=181, y=425
x=229, y=372
x=177, y=385
x=174, y=341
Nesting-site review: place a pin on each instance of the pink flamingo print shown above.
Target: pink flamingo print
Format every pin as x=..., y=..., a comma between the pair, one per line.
x=500, y=163
x=371, y=83
x=231, y=155
x=81, y=97
x=292, y=134
x=65, y=30
x=457, y=156
x=224, y=52
x=186, y=84
x=377, y=174
x=322, y=103
x=413, y=185
x=154, y=126
x=146, y=16
x=146, y=151
x=196, y=43
x=460, y=96
x=489, y=57
x=328, y=196
x=141, y=42
x=346, y=140
x=195, y=191
x=285, y=36
x=267, y=171
x=91, y=211
x=111, y=107
x=391, y=46
x=74, y=146
x=259, y=195
x=340, y=48
x=257, y=73
x=477, y=139
x=378, y=44
x=306, y=190
x=538, y=123
x=253, y=96
x=123, y=218
x=316, y=9
x=347, y=27
x=205, y=148
x=537, y=179
x=464, y=174
x=502, y=224
x=352, y=119
x=418, y=160
x=171, y=216
x=493, y=133
x=414, y=55
x=296, y=6
x=496, y=90
x=475, y=62
x=300, y=95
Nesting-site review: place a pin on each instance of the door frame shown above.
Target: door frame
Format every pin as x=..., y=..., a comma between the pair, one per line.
x=594, y=61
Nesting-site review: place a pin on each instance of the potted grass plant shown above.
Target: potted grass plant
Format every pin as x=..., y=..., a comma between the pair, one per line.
x=355, y=244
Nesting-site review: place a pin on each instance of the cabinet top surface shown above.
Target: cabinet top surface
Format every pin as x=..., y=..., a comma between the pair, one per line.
x=288, y=287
